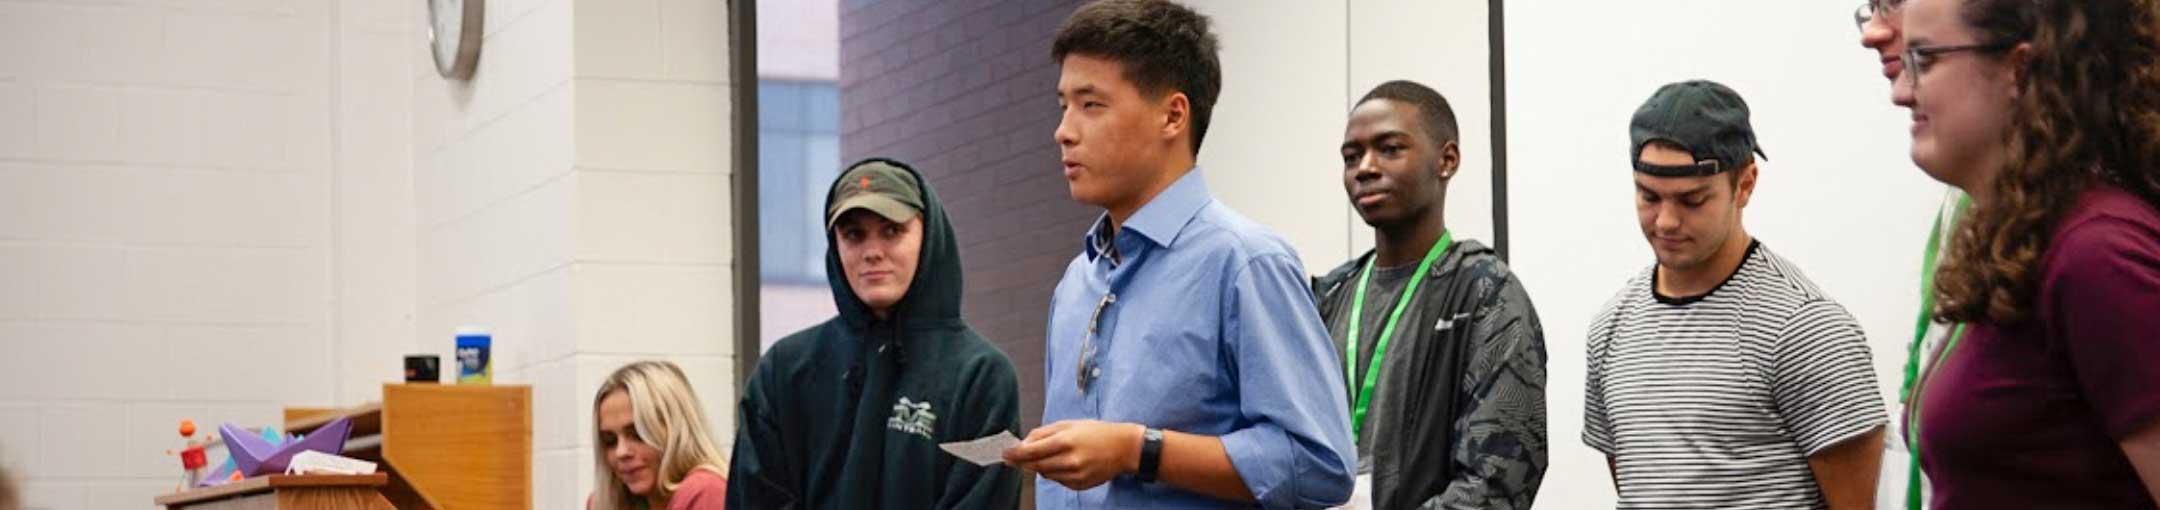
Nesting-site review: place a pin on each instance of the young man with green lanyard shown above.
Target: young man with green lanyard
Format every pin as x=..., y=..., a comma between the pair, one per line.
x=1902, y=485
x=1443, y=351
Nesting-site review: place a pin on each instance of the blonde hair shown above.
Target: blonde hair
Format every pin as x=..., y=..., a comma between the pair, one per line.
x=667, y=415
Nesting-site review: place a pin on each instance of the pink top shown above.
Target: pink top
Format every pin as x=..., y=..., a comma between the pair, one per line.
x=702, y=490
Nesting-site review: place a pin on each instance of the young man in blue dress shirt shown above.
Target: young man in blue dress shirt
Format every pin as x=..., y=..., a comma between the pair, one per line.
x=1187, y=365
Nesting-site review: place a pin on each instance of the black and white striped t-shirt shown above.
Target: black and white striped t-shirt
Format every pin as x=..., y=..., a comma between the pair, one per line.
x=1716, y=401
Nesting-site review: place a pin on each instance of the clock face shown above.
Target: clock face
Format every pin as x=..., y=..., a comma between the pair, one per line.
x=452, y=33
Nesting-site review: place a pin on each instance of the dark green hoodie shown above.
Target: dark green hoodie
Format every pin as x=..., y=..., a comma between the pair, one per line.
x=848, y=414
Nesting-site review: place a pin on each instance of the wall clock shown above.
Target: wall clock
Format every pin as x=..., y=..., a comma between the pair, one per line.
x=454, y=28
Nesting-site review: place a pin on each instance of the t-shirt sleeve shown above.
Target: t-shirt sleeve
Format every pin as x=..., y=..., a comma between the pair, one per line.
x=2102, y=292
x=1822, y=378
x=1597, y=429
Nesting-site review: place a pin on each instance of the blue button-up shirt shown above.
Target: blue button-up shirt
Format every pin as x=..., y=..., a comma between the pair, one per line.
x=1212, y=331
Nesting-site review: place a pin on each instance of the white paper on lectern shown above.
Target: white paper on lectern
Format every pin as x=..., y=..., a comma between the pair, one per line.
x=984, y=451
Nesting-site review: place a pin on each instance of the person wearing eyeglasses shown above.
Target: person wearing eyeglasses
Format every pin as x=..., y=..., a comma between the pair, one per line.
x=1186, y=365
x=2048, y=114
x=848, y=414
x=1444, y=352
x=1903, y=485
x=1721, y=377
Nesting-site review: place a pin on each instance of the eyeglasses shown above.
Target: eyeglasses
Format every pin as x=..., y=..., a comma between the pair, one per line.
x=1086, y=371
x=1868, y=11
x=1917, y=58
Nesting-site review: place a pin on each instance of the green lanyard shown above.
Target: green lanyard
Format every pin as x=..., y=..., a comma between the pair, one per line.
x=1927, y=303
x=1357, y=315
x=1913, y=354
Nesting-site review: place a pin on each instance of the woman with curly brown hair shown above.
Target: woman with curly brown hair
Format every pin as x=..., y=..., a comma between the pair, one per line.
x=2047, y=112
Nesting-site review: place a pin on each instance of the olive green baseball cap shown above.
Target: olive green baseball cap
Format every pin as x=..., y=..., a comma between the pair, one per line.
x=880, y=185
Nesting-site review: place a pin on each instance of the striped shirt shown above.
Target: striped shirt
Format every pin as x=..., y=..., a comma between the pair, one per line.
x=1716, y=401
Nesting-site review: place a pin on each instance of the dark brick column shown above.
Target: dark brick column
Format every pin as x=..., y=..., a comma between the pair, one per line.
x=965, y=91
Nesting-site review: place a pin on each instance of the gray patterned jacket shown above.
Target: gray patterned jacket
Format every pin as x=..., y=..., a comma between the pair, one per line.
x=1458, y=416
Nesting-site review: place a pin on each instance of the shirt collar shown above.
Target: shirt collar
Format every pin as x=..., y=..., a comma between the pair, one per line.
x=1161, y=220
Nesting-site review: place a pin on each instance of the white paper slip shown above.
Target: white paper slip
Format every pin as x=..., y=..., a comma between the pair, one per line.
x=985, y=451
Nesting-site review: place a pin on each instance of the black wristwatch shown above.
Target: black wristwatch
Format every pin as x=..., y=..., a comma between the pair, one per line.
x=1150, y=454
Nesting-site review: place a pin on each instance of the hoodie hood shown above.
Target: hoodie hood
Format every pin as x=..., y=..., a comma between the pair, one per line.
x=933, y=297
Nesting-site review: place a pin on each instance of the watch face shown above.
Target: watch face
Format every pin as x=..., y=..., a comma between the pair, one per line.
x=446, y=32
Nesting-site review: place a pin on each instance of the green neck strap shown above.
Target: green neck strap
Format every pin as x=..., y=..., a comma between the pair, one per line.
x=1357, y=316
x=1913, y=480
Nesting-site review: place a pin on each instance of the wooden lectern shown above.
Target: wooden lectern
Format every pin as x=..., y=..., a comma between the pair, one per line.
x=437, y=447
x=281, y=492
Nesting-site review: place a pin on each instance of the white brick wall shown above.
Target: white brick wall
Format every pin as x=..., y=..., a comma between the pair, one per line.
x=215, y=209
x=376, y=226
x=573, y=199
x=654, y=255
x=18, y=129
x=494, y=197
x=166, y=237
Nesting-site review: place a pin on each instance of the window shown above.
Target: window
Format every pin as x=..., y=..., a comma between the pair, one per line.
x=798, y=154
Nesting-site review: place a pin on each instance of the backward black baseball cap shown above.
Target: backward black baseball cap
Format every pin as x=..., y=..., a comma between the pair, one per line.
x=1704, y=117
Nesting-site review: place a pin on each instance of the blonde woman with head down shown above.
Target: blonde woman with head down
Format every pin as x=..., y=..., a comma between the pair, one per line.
x=652, y=449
